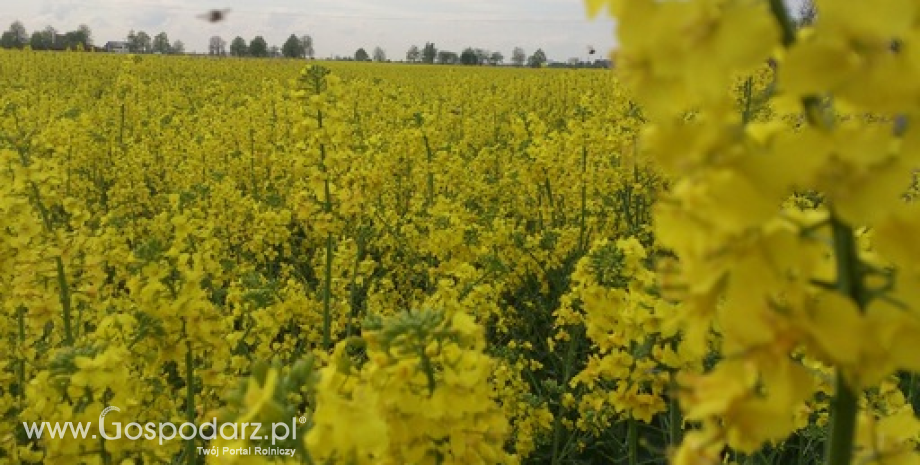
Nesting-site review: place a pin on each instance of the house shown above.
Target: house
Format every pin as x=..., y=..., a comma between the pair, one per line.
x=116, y=47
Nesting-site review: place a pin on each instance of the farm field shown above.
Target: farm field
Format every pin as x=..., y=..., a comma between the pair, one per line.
x=177, y=222
x=410, y=264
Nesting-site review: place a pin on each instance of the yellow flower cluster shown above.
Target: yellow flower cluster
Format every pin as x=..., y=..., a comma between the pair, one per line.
x=423, y=397
x=835, y=281
x=630, y=325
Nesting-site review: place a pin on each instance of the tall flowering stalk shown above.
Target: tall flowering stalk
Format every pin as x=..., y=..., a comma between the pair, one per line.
x=777, y=285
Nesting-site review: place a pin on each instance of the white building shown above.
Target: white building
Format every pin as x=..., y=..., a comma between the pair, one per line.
x=116, y=47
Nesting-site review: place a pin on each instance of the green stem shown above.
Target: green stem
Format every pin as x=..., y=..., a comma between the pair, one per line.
x=121, y=128
x=327, y=207
x=549, y=195
x=64, y=292
x=849, y=273
x=557, y=418
x=675, y=417
x=626, y=198
x=327, y=295
x=911, y=391
x=327, y=272
x=632, y=441
x=843, y=424
x=430, y=197
x=849, y=279
x=748, y=112
x=427, y=367
x=800, y=448
x=353, y=287
x=65, y=300
x=844, y=406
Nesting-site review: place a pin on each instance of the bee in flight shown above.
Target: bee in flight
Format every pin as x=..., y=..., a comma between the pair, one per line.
x=215, y=15
x=591, y=50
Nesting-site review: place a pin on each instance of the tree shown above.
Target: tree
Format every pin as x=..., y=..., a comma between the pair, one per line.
x=85, y=34
x=49, y=33
x=161, y=43
x=8, y=40
x=238, y=47
x=496, y=58
x=15, y=37
x=131, y=39
x=482, y=56
x=361, y=55
x=414, y=54
x=292, y=47
x=217, y=46
x=518, y=56
x=447, y=58
x=19, y=32
x=138, y=42
x=38, y=42
x=307, y=43
x=258, y=47
x=178, y=47
x=379, y=54
x=469, y=57
x=74, y=39
x=537, y=60
x=144, y=42
x=429, y=53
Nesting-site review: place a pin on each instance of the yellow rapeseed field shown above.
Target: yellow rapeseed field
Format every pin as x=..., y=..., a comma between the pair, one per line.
x=705, y=256
x=172, y=226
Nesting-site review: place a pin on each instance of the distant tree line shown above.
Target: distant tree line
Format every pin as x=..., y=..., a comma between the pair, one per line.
x=46, y=39
x=16, y=37
x=469, y=56
x=294, y=47
x=141, y=42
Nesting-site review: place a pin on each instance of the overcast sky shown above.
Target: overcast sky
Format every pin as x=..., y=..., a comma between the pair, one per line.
x=338, y=27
